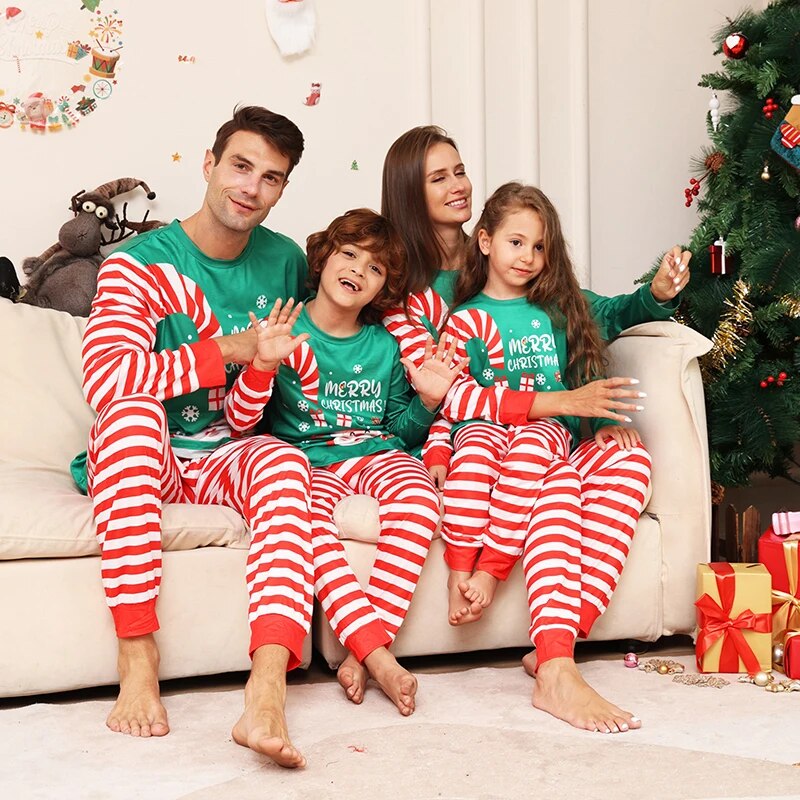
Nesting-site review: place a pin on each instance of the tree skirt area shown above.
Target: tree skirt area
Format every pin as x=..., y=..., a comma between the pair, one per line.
x=474, y=735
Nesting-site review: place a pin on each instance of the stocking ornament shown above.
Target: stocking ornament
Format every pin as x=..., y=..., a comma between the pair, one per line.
x=291, y=24
x=786, y=140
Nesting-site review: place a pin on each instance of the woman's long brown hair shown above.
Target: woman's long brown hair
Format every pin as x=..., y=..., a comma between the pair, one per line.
x=555, y=289
x=403, y=202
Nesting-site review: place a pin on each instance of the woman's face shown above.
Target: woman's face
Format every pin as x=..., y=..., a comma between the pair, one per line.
x=448, y=192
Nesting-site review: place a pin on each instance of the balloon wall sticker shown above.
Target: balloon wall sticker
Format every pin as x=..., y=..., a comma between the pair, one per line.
x=58, y=62
x=291, y=24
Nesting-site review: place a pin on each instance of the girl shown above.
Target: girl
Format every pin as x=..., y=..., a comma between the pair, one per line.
x=342, y=397
x=524, y=489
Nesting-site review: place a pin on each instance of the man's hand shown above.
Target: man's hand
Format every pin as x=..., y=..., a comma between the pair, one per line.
x=626, y=438
x=672, y=275
x=274, y=340
x=600, y=398
x=437, y=373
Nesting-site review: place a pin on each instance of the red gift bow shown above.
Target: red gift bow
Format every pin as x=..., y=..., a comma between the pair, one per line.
x=715, y=622
x=6, y=107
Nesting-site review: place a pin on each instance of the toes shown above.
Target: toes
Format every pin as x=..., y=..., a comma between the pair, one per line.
x=113, y=724
x=159, y=729
x=635, y=723
x=135, y=728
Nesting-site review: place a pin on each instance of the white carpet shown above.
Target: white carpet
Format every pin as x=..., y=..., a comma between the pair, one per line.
x=474, y=735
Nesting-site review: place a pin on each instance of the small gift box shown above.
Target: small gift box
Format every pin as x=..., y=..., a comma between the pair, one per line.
x=780, y=557
x=734, y=618
x=791, y=654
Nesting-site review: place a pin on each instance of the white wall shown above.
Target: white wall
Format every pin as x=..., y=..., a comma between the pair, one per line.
x=596, y=101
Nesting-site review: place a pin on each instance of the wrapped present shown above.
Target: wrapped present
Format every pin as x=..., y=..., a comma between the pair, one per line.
x=734, y=618
x=780, y=557
x=791, y=654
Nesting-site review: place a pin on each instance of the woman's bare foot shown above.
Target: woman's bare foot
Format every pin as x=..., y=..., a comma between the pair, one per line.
x=138, y=710
x=460, y=610
x=398, y=684
x=262, y=726
x=561, y=691
x=352, y=676
x=529, y=662
x=479, y=588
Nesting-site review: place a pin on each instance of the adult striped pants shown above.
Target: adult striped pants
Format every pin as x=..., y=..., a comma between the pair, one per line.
x=132, y=470
x=365, y=619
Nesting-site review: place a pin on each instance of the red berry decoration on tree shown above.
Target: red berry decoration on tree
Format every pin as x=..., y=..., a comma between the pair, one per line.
x=771, y=380
x=713, y=163
x=763, y=384
x=770, y=107
x=735, y=45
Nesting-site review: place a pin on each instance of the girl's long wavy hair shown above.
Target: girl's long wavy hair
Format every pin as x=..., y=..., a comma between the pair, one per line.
x=403, y=202
x=371, y=232
x=555, y=289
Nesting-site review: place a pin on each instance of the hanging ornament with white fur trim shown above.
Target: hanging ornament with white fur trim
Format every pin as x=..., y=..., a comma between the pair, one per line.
x=292, y=25
x=713, y=110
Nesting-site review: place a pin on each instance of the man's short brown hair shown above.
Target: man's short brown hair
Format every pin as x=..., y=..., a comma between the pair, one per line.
x=276, y=129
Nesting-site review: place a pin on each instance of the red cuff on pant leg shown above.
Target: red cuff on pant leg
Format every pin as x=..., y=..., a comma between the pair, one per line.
x=556, y=643
x=366, y=639
x=496, y=563
x=276, y=629
x=461, y=558
x=135, y=619
x=589, y=615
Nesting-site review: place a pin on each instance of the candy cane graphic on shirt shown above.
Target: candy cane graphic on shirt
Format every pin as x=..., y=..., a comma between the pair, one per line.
x=303, y=361
x=475, y=323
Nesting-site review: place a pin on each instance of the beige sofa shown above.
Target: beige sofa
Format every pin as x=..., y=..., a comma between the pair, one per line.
x=56, y=633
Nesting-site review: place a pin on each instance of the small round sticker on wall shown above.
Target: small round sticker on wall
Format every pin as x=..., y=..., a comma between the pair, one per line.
x=59, y=62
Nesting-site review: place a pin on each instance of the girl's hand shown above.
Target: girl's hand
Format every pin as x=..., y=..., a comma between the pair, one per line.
x=672, y=275
x=437, y=373
x=626, y=438
x=439, y=474
x=275, y=340
x=600, y=398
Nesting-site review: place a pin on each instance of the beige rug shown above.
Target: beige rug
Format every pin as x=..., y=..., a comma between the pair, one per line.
x=474, y=735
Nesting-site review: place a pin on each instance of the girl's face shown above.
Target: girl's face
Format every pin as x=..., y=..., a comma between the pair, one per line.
x=448, y=192
x=352, y=277
x=515, y=253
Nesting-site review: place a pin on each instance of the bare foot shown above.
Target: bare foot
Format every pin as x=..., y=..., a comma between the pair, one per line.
x=529, y=662
x=479, y=588
x=398, y=684
x=352, y=676
x=561, y=691
x=460, y=610
x=138, y=710
x=262, y=726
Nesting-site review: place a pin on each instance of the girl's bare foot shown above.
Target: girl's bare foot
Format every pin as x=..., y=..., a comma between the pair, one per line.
x=398, y=684
x=529, y=662
x=479, y=588
x=352, y=676
x=560, y=690
x=138, y=710
x=460, y=610
x=262, y=726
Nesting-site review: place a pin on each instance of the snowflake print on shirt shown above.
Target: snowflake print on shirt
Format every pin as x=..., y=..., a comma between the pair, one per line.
x=190, y=413
x=302, y=405
x=261, y=301
x=540, y=379
x=536, y=323
x=303, y=426
x=488, y=374
x=357, y=368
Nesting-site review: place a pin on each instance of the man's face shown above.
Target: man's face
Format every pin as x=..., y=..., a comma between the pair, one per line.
x=246, y=183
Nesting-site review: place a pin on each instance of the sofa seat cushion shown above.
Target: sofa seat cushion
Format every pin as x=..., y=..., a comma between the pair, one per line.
x=43, y=515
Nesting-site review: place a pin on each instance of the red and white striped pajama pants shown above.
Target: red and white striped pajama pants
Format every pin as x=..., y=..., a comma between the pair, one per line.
x=364, y=620
x=132, y=470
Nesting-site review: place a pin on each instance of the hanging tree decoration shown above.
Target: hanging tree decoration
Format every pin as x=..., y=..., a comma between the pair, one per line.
x=713, y=110
x=713, y=164
x=734, y=327
x=735, y=45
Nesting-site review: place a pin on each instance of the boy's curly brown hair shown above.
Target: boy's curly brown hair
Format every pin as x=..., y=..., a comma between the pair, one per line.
x=370, y=231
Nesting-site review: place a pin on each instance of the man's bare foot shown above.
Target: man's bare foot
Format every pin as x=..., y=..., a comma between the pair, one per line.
x=529, y=662
x=460, y=610
x=352, y=676
x=398, y=684
x=262, y=726
x=138, y=710
x=479, y=588
x=561, y=691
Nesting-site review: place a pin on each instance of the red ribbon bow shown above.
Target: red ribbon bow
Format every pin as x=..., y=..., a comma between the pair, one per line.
x=8, y=107
x=715, y=621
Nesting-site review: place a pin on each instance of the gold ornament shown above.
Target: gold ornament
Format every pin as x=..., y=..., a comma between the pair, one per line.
x=761, y=679
x=663, y=666
x=733, y=329
x=770, y=684
x=777, y=654
x=791, y=304
x=765, y=176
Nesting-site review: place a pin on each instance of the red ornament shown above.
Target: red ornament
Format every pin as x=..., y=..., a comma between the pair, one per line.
x=763, y=384
x=735, y=46
x=769, y=108
x=782, y=376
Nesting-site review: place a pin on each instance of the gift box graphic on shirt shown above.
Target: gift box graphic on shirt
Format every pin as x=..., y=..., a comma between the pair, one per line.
x=318, y=418
x=786, y=139
x=344, y=420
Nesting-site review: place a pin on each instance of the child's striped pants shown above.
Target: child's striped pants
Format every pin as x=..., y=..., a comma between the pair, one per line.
x=132, y=470
x=364, y=620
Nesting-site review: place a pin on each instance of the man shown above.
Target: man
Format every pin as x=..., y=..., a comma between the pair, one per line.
x=167, y=330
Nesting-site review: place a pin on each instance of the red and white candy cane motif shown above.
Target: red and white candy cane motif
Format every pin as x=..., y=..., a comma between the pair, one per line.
x=304, y=363
x=472, y=323
x=790, y=136
x=428, y=304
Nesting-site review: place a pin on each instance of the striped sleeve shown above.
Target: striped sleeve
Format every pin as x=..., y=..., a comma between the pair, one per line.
x=245, y=402
x=118, y=357
x=409, y=330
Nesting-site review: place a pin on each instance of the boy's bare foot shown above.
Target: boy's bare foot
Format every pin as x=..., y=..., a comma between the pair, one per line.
x=398, y=684
x=352, y=676
x=529, y=662
x=262, y=726
x=138, y=710
x=479, y=588
x=560, y=690
x=460, y=610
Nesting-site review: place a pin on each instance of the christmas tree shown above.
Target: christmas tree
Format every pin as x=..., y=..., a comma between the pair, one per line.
x=745, y=288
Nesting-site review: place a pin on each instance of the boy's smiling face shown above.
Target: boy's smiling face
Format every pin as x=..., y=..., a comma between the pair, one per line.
x=352, y=277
